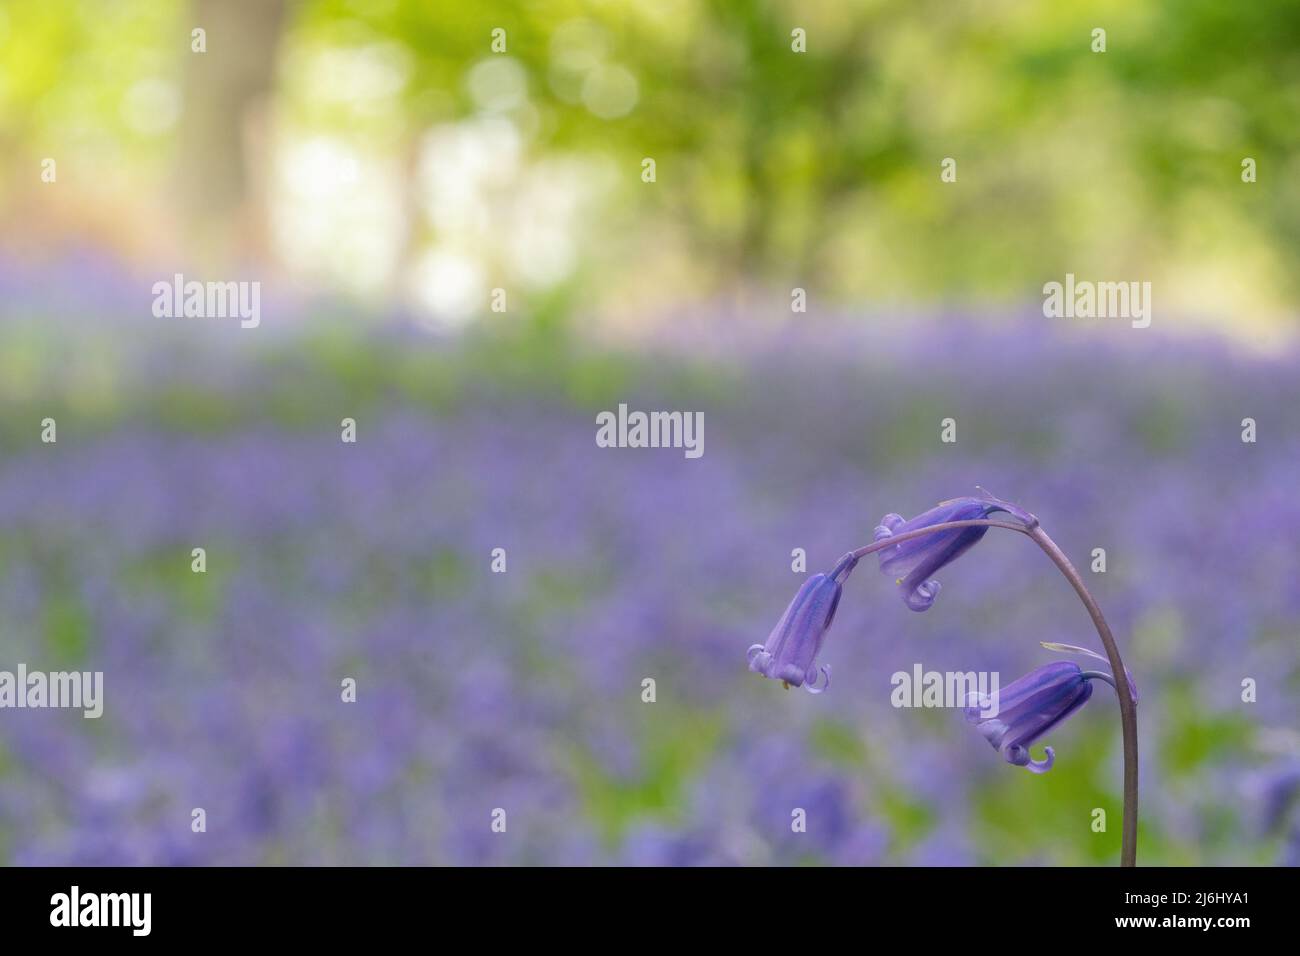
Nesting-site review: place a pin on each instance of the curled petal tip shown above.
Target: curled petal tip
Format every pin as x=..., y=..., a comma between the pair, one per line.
x=1041, y=766
x=922, y=597
x=1021, y=757
x=810, y=684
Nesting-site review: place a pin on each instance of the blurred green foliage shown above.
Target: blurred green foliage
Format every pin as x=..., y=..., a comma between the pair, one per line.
x=777, y=168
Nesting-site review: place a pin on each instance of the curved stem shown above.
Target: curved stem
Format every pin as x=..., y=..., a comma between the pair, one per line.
x=1127, y=707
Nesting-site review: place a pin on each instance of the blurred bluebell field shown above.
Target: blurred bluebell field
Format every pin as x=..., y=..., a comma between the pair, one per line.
x=473, y=228
x=523, y=690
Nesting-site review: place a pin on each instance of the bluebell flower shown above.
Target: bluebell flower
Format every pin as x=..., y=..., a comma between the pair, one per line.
x=911, y=563
x=790, y=654
x=1029, y=707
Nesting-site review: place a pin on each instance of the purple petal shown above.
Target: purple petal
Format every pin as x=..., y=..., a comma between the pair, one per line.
x=812, y=679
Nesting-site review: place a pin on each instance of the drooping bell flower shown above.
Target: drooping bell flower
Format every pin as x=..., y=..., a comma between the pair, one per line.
x=1029, y=707
x=911, y=563
x=790, y=654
